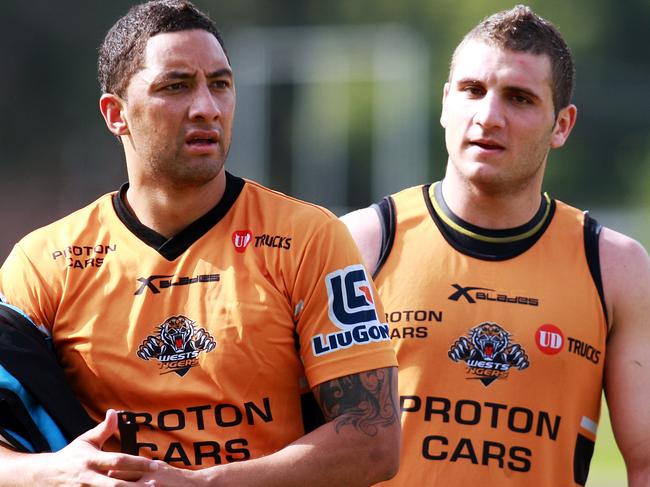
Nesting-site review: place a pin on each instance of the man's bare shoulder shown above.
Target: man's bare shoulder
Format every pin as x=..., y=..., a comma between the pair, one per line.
x=365, y=227
x=625, y=268
x=622, y=256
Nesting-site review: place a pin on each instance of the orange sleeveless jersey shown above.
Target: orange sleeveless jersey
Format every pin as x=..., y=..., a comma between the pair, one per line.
x=501, y=362
x=198, y=337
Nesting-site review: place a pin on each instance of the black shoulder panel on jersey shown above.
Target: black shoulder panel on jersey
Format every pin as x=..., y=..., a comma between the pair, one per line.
x=386, y=211
x=172, y=248
x=592, y=231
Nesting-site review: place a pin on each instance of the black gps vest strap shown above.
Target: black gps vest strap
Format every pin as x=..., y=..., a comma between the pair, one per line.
x=592, y=231
x=386, y=211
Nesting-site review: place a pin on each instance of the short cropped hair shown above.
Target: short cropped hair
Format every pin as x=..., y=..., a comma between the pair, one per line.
x=521, y=29
x=121, y=55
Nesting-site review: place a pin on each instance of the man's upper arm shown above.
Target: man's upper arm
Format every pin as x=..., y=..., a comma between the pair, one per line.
x=365, y=227
x=626, y=280
x=23, y=285
x=347, y=354
x=363, y=408
x=366, y=401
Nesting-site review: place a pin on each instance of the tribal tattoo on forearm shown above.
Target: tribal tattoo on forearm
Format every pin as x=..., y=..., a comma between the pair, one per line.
x=364, y=401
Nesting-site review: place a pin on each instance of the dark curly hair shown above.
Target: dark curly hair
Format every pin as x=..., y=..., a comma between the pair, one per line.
x=121, y=54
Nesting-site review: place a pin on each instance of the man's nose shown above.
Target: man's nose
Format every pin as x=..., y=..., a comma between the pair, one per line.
x=489, y=111
x=205, y=105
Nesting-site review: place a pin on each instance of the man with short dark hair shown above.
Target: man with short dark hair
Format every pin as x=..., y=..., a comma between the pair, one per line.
x=203, y=305
x=509, y=310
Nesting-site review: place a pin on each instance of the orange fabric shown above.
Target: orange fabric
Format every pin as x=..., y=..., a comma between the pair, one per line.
x=513, y=419
x=230, y=389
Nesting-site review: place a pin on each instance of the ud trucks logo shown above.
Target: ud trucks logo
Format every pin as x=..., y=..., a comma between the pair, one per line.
x=488, y=353
x=241, y=239
x=176, y=345
x=351, y=307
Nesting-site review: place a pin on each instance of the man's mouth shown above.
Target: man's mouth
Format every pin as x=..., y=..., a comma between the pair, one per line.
x=486, y=144
x=201, y=142
x=202, y=138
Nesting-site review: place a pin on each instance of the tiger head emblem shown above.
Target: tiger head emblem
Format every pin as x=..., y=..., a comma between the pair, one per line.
x=490, y=340
x=176, y=344
x=176, y=332
x=488, y=352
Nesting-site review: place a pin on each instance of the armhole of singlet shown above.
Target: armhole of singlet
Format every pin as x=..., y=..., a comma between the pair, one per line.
x=386, y=211
x=592, y=231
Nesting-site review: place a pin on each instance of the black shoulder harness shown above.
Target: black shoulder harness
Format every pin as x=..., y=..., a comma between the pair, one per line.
x=592, y=231
x=386, y=211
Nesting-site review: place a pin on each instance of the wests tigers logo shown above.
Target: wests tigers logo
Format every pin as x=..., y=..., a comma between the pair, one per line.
x=176, y=345
x=488, y=353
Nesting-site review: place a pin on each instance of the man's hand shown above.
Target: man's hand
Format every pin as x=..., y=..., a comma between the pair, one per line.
x=82, y=462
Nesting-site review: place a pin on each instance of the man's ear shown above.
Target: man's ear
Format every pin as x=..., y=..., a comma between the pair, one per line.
x=443, y=114
x=113, y=110
x=564, y=123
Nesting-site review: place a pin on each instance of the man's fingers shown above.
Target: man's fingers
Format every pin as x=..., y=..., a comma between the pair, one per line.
x=102, y=432
x=123, y=464
x=128, y=475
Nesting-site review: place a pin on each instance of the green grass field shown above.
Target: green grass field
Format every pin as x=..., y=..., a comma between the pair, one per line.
x=607, y=467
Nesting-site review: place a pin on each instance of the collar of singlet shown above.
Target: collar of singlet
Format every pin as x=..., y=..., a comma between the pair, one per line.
x=487, y=243
x=171, y=248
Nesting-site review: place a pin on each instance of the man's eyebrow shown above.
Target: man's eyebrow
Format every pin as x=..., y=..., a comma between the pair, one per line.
x=510, y=89
x=178, y=74
x=175, y=74
x=468, y=81
x=221, y=73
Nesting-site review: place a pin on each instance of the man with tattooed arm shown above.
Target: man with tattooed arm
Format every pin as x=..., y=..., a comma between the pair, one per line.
x=209, y=309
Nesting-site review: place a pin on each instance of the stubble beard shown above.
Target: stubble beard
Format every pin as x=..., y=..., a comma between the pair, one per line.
x=495, y=182
x=181, y=171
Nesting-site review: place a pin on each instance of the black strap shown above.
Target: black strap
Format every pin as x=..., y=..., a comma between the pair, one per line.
x=14, y=418
x=386, y=211
x=128, y=432
x=25, y=354
x=592, y=231
x=312, y=415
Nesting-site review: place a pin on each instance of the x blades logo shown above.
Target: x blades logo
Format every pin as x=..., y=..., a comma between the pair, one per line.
x=463, y=292
x=176, y=345
x=472, y=294
x=156, y=283
x=488, y=353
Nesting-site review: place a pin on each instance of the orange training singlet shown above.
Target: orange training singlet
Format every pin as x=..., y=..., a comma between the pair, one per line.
x=501, y=356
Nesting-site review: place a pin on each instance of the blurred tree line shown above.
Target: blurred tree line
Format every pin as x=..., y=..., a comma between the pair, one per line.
x=57, y=154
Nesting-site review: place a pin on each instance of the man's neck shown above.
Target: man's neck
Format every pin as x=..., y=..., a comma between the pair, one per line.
x=490, y=209
x=169, y=210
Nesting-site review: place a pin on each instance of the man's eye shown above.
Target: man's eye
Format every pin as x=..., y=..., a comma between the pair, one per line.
x=521, y=100
x=221, y=84
x=473, y=90
x=174, y=87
